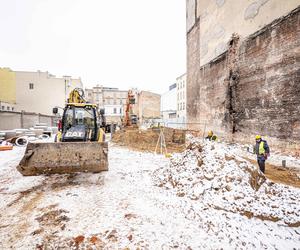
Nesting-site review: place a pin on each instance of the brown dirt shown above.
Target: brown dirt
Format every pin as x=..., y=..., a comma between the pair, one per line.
x=130, y=216
x=250, y=215
x=146, y=140
x=53, y=218
x=280, y=175
x=79, y=239
x=26, y=209
x=24, y=194
x=94, y=239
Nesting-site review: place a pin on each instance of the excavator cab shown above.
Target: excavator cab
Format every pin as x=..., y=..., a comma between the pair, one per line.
x=79, y=145
x=79, y=123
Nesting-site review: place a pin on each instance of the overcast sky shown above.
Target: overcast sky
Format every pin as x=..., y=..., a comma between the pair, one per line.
x=120, y=43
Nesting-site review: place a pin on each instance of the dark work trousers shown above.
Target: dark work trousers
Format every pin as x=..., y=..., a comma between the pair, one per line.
x=261, y=164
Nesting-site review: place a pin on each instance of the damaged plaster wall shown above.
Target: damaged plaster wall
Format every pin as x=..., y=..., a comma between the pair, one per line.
x=268, y=91
x=193, y=61
x=219, y=19
x=251, y=88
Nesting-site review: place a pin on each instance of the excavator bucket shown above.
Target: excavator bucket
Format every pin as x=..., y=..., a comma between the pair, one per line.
x=64, y=158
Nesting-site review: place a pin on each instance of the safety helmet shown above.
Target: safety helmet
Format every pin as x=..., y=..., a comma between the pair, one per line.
x=257, y=137
x=210, y=133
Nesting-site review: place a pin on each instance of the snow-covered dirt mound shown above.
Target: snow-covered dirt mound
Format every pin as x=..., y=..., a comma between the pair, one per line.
x=213, y=175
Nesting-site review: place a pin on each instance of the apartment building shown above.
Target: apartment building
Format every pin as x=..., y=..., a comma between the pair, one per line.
x=243, y=69
x=112, y=100
x=181, y=98
x=36, y=92
x=7, y=90
x=168, y=105
x=173, y=104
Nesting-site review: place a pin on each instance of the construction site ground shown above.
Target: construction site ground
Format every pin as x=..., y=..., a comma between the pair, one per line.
x=148, y=140
x=208, y=196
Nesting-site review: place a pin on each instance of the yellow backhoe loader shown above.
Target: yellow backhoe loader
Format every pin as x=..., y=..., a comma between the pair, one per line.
x=79, y=145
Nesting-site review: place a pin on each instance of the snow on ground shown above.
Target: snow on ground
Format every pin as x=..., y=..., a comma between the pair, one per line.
x=223, y=180
x=146, y=201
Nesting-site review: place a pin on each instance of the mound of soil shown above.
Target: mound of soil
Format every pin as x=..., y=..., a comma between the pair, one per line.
x=146, y=140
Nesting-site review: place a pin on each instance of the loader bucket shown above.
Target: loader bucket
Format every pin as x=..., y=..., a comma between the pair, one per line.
x=64, y=158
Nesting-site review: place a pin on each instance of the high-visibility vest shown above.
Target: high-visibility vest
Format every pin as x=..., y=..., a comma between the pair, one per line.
x=261, y=149
x=101, y=135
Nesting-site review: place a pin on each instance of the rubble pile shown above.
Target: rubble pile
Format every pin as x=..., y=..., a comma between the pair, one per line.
x=212, y=175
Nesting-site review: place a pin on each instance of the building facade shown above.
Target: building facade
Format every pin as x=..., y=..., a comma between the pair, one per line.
x=181, y=99
x=169, y=105
x=148, y=104
x=36, y=92
x=243, y=69
x=7, y=89
x=173, y=104
x=112, y=100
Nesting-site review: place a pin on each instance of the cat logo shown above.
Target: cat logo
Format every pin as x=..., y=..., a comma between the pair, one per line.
x=74, y=134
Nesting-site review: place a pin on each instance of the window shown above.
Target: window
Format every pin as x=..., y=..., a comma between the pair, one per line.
x=172, y=115
x=183, y=106
x=120, y=110
x=30, y=85
x=81, y=118
x=3, y=107
x=12, y=109
x=121, y=101
x=8, y=108
x=115, y=110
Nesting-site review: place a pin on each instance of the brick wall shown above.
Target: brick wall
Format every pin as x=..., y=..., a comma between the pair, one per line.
x=193, y=86
x=253, y=88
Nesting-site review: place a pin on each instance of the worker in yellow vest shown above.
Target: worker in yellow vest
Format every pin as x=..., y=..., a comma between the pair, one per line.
x=210, y=136
x=262, y=151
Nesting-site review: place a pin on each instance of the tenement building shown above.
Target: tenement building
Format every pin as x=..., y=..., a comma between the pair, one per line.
x=243, y=69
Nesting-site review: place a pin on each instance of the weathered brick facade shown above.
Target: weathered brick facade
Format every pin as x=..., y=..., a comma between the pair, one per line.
x=252, y=88
x=193, y=88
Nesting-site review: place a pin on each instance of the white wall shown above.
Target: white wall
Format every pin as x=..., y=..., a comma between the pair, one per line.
x=219, y=19
x=5, y=106
x=168, y=100
x=181, y=97
x=48, y=91
x=109, y=110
